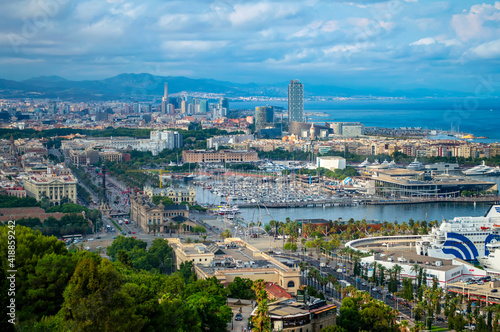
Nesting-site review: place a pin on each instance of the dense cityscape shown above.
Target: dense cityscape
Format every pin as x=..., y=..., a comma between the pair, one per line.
x=337, y=169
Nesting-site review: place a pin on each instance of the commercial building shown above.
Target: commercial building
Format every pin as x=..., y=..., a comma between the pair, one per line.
x=331, y=162
x=223, y=156
x=348, y=129
x=56, y=184
x=235, y=258
x=159, y=218
x=164, y=101
x=295, y=101
x=215, y=142
x=290, y=315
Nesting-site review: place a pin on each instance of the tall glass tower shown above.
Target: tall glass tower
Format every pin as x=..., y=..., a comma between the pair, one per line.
x=295, y=101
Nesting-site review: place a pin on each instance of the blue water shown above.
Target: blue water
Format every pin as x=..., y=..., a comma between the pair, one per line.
x=430, y=114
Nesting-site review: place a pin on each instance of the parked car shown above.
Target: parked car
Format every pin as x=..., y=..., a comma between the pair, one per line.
x=238, y=317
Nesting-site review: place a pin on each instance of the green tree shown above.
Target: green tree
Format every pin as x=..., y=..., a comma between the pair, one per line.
x=241, y=288
x=261, y=321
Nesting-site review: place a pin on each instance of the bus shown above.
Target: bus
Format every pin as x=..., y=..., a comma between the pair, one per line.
x=71, y=238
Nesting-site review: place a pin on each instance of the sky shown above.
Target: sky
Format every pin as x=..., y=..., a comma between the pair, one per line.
x=397, y=44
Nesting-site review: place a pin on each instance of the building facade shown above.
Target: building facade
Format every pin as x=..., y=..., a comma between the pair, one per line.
x=177, y=195
x=55, y=184
x=223, y=156
x=295, y=101
x=159, y=218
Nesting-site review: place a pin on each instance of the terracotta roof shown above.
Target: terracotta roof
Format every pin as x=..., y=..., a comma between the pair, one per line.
x=275, y=291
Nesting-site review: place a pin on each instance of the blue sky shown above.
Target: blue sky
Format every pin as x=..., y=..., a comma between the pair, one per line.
x=357, y=44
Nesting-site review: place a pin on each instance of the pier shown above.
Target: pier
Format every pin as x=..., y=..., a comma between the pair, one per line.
x=371, y=201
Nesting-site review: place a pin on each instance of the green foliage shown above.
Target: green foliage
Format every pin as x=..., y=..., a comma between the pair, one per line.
x=290, y=246
x=126, y=244
x=163, y=199
x=243, y=167
x=61, y=291
x=7, y=201
x=333, y=328
x=68, y=224
x=199, y=229
x=241, y=289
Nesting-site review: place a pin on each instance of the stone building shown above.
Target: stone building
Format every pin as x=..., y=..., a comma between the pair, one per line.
x=159, y=218
x=223, y=156
x=56, y=184
x=177, y=195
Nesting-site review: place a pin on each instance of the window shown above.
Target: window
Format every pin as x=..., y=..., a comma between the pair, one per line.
x=291, y=284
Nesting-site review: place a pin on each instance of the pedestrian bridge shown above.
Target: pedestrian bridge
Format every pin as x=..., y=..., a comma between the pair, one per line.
x=379, y=240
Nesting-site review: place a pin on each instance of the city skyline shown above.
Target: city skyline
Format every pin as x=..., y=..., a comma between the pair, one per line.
x=398, y=44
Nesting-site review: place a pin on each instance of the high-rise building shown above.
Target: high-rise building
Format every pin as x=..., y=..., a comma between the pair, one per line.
x=260, y=118
x=164, y=101
x=264, y=116
x=52, y=107
x=203, y=106
x=295, y=101
x=224, y=103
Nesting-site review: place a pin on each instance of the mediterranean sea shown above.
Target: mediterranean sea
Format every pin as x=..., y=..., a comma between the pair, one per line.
x=457, y=114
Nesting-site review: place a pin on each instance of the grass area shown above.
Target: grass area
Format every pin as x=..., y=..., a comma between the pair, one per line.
x=438, y=329
x=117, y=226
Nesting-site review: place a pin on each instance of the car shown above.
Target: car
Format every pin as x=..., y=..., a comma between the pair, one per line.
x=374, y=290
x=129, y=232
x=91, y=239
x=133, y=232
x=363, y=284
x=114, y=237
x=238, y=316
x=440, y=319
x=98, y=237
x=494, y=290
x=126, y=222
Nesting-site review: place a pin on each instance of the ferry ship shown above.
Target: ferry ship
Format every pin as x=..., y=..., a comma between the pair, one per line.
x=463, y=237
x=491, y=261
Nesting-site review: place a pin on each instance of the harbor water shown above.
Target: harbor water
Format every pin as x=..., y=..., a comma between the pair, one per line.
x=390, y=213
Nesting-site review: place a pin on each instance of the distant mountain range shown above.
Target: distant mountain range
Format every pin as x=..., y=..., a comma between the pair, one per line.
x=146, y=86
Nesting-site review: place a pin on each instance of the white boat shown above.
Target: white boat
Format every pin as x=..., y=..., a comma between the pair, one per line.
x=494, y=171
x=415, y=165
x=365, y=163
x=478, y=170
x=463, y=237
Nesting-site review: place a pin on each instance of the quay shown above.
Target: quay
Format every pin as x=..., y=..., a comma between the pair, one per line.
x=372, y=201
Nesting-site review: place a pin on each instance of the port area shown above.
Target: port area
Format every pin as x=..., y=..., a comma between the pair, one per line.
x=487, y=292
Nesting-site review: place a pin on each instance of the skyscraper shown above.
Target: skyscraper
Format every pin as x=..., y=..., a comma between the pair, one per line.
x=264, y=116
x=224, y=103
x=295, y=101
x=164, y=101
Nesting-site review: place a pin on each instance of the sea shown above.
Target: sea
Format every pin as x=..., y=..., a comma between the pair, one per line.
x=477, y=117
x=467, y=115
x=379, y=213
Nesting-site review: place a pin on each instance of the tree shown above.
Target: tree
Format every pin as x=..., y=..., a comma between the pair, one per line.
x=95, y=300
x=241, y=288
x=226, y=234
x=124, y=259
x=261, y=321
x=126, y=244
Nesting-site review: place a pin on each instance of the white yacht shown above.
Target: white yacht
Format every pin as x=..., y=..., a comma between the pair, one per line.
x=463, y=237
x=494, y=171
x=415, y=165
x=478, y=170
x=365, y=163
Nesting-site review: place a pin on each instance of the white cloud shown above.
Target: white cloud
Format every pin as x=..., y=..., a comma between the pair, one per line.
x=192, y=46
x=489, y=50
x=471, y=25
x=424, y=41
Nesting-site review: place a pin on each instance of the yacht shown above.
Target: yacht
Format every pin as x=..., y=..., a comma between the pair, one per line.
x=494, y=171
x=365, y=163
x=478, y=170
x=415, y=165
x=463, y=237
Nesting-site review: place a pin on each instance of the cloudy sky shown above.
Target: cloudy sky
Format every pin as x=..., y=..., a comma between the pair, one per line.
x=359, y=43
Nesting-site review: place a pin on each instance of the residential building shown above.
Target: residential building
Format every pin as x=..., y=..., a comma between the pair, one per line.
x=331, y=162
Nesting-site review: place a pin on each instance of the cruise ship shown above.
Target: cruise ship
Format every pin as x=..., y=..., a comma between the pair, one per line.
x=463, y=237
x=491, y=261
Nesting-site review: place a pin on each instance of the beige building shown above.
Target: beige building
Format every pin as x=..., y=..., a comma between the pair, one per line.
x=223, y=156
x=159, y=218
x=56, y=184
x=178, y=195
x=111, y=155
x=236, y=258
